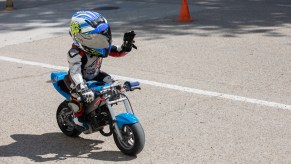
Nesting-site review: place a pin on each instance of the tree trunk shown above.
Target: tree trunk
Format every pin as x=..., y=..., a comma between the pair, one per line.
x=9, y=5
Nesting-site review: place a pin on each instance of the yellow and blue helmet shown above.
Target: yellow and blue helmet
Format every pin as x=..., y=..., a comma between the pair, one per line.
x=91, y=32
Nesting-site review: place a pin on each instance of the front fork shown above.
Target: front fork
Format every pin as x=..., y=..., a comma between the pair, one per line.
x=113, y=116
x=114, y=122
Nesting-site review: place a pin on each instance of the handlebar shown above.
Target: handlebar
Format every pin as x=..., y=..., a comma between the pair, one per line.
x=128, y=86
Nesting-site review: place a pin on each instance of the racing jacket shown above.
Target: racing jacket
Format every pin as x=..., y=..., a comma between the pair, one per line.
x=83, y=65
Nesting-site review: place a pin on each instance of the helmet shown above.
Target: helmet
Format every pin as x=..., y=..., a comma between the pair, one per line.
x=91, y=32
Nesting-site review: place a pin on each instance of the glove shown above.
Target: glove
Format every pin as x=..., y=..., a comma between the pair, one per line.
x=86, y=93
x=128, y=41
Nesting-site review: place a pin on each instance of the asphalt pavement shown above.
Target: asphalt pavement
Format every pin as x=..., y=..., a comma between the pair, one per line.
x=215, y=90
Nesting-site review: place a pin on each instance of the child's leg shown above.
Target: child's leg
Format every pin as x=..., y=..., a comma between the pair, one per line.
x=104, y=77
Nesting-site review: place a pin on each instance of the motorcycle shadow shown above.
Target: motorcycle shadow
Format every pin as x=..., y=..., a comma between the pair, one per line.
x=57, y=146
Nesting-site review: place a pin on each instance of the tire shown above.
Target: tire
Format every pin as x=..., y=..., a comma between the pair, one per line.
x=63, y=116
x=133, y=139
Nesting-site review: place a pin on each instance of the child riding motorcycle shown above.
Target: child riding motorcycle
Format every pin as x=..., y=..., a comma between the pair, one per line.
x=92, y=38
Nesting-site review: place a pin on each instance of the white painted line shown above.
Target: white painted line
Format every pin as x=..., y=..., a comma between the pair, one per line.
x=14, y=60
x=164, y=85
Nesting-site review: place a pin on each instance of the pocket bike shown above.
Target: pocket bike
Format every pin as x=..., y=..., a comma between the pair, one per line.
x=99, y=115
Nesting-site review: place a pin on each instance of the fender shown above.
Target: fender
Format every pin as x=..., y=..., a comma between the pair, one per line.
x=55, y=78
x=126, y=119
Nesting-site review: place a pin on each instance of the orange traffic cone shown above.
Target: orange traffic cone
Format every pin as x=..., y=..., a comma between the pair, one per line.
x=184, y=13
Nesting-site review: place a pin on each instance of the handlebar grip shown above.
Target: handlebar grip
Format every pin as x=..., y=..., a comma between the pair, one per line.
x=130, y=86
x=134, y=84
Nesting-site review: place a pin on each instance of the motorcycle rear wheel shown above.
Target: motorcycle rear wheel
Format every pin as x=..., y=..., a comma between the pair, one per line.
x=133, y=139
x=62, y=115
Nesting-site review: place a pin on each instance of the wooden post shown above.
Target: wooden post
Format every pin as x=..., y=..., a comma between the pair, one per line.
x=9, y=5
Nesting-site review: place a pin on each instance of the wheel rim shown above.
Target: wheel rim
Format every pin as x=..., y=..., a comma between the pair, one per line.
x=128, y=138
x=63, y=119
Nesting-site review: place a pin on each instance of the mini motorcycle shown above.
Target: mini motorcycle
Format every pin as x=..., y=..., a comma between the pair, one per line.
x=99, y=115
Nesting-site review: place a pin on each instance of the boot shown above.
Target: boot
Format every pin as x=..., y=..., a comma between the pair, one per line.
x=78, y=118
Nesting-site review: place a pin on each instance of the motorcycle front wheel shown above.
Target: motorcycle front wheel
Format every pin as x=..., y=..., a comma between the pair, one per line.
x=133, y=139
x=64, y=115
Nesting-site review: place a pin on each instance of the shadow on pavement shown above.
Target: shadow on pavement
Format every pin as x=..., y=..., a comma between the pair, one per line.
x=57, y=146
x=23, y=4
x=228, y=18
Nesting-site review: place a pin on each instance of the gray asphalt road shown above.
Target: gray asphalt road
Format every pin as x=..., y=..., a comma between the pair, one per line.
x=237, y=48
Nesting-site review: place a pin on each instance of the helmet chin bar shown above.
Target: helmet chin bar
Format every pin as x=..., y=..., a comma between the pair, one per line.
x=95, y=52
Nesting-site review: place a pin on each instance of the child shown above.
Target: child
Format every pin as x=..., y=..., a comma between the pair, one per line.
x=92, y=42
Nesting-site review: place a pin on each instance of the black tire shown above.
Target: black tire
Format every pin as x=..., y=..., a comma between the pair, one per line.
x=67, y=129
x=132, y=143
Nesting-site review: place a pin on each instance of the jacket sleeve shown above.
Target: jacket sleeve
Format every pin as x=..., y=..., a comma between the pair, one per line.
x=116, y=51
x=75, y=69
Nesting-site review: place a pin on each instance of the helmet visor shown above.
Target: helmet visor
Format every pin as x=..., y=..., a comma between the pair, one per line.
x=93, y=40
x=99, y=38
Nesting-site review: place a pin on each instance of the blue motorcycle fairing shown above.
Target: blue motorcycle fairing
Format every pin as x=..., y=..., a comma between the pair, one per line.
x=126, y=119
x=55, y=78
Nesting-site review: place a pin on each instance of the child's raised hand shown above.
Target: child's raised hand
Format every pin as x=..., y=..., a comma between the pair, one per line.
x=128, y=40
